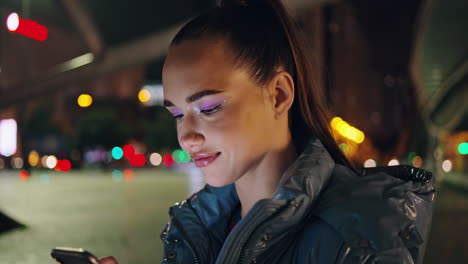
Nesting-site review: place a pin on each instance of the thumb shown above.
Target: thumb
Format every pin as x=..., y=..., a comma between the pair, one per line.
x=108, y=260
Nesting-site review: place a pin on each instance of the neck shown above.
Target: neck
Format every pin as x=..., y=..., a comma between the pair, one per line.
x=261, y=181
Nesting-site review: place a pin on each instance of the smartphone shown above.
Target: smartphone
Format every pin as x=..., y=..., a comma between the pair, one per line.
x=66, y=255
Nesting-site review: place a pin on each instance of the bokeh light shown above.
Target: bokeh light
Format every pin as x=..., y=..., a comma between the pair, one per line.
x=181, y=156
x=411, y=156
x=168, y=160
x=85, y=100
x=117, y=175
x=117, y=153
x=393, y=162
x=33, y=158
x=64, y=165
x=138, y=160
x=13, y=22
x=144, y=95
x=155, y=159
x=44, y=178
x=129, y=174
x=447, y=165
x=24, y=175
x=463, y=148
x=417, y=162
x=369, y=163
x=44, y=161
x=8, y=137
x=51, y=162
x=28, y=28
x=17, y=163
x=58, y=165
x=344, y=147
x=347, y=130
x=128, y=151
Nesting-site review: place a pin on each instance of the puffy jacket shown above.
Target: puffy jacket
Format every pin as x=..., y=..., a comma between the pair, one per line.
x=322, y=212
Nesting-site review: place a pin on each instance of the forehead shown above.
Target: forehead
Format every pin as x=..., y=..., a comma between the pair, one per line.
x=196, y=64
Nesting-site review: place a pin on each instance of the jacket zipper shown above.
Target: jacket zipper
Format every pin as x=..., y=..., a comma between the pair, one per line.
x=185, y=238
x=255, y=232
x=243, y=252
x=229, y=255
x=259, y=230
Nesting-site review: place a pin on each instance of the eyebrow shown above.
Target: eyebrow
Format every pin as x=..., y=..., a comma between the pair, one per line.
x=194, y=97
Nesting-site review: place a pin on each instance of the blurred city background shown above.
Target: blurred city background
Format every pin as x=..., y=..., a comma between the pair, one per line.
x=89, y=157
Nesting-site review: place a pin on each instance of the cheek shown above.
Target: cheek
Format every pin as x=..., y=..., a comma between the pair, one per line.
x=246, y=132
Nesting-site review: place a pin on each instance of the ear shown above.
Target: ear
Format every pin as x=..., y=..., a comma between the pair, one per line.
x=281, y=90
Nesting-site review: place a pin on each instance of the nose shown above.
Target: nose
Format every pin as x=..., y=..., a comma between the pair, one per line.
x=190, y=138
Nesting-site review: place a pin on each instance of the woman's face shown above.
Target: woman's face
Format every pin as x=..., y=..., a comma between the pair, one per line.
x=225, y=121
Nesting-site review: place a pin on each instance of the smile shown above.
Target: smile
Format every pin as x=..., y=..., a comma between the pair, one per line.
x=205, y=160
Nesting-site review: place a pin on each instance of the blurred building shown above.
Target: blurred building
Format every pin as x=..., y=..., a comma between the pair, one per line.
x=375, y=61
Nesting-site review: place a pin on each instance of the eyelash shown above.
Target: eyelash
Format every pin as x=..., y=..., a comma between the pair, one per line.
x=206, y=112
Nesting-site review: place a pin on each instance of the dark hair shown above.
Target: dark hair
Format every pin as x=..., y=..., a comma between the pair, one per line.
x=263, y=37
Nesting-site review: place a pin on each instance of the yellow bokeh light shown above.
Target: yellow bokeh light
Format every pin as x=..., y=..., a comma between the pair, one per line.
x=341, y=126
x=85, y=100
x=33, y=158
x=335, y=121
x=144, y=95
x=360, y=137
x=346, y=130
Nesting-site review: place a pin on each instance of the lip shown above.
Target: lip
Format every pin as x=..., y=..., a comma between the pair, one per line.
x=204, y=159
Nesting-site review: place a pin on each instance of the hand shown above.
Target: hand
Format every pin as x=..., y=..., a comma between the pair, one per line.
x=108, y=260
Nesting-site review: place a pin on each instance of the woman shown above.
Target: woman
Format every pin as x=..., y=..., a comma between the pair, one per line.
x=279, y=190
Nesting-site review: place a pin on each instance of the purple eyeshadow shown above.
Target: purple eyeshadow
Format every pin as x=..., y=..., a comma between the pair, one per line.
x=176, y=112
x=209, y=104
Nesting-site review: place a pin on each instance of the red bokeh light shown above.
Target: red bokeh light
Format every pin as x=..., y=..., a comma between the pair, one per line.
x=168, y=160
x=128, y=151
x=65, y=165
x=128, y=174
x=28, y=28
x=58, y=166
x=24, y=175
x=138, y=160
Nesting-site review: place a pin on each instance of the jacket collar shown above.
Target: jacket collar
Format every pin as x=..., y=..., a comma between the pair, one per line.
x=308, y=175
x=205, y=215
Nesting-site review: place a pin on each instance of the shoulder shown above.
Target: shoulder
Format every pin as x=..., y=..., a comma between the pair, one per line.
x=384, y=210
x=321, y=242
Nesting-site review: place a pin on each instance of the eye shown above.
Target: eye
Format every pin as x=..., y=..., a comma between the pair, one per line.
x=211, y=110
x=178, y=117
x=175, y=113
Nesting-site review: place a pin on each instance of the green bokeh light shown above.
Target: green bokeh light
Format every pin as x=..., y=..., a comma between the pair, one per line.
x=186, y=156
x=463, y=148
x=411, y=157
x=117, y=153
x=344, y=147
x=180, y=156
x=176, y=155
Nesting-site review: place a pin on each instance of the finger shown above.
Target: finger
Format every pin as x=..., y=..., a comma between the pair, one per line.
x=108, y=260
